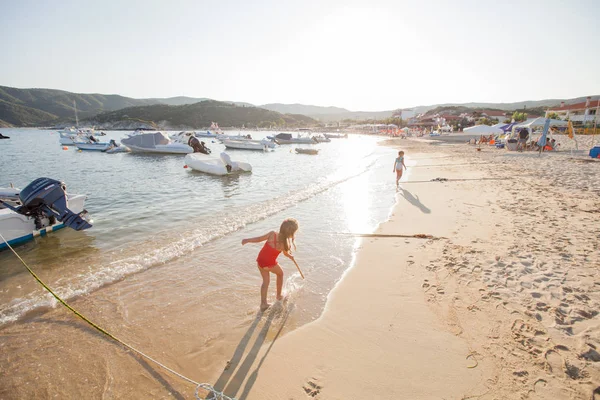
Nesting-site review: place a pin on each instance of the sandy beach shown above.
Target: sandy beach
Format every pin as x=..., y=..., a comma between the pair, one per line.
x=502, y=302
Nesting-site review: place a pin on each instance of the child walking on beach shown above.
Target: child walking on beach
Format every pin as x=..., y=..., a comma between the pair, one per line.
x=398, y=164
x=275, y=243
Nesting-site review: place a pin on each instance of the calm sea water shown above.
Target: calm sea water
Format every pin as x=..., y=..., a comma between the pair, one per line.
x=149, y=213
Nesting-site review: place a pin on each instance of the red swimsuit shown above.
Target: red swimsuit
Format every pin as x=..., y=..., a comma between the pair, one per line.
x=267, y=257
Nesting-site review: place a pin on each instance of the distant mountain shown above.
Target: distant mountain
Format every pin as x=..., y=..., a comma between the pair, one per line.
x=327, y=114
x=200, y=115
x=303, y=109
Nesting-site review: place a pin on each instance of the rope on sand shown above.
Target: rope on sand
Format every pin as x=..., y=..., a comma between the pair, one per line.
x=214, y=394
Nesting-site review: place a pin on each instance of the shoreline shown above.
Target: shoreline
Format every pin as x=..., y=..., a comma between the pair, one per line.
x=363, y=324
x=480, y=314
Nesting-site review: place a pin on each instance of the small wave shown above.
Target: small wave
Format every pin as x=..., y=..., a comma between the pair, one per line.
x=170, y=245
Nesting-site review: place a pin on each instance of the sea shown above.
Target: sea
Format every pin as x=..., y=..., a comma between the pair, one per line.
x=164, y=255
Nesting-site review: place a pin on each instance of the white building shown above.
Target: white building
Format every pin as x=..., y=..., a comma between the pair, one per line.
x=579, y=112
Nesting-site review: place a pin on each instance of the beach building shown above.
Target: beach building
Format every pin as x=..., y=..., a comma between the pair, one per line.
x=494, y=114
x=579, y=112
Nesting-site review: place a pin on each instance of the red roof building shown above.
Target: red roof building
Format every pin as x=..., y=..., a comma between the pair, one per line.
x=581, y=112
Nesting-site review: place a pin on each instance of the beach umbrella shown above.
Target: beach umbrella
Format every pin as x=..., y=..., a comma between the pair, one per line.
x=542, y=141
x=507, y=127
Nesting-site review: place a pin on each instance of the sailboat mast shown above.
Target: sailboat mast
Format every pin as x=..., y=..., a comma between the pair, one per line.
x=76, y=119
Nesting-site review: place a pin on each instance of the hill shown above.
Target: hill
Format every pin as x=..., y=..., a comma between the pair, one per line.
x=36, y=107
x=200, y=115
x=327, y=114
x=12, y=114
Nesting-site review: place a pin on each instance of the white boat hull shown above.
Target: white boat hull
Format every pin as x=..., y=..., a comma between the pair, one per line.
x=92, y=146
x=174, y=148
x=17, y=228
x=215, y=165
x=247, y=145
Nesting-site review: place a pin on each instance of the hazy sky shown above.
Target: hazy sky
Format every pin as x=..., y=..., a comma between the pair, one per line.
x=360, y=55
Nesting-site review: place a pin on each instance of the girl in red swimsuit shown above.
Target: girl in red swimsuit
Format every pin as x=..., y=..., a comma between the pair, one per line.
x=267, y=257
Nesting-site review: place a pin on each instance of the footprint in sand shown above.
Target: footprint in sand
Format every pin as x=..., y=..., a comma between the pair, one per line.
x=311, y=388
x=554, y=361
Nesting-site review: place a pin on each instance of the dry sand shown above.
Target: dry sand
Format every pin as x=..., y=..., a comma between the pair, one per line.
x=503, y=306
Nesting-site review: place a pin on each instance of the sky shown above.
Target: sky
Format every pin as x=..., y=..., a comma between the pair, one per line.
x=364, y=55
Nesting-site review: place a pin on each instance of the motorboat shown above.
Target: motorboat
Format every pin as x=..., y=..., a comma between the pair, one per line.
x=4, y=137
x=114, y=147
x=41, y=207
x=69, y=136
x=239, y=136
x=321, y=139
x=183, y=137
x=307, y=151
x=91, y=144
x=208, y=134
x=221, y=165
x=336, y=136
x=247, y=144
x=287, y=138
x=155, y=142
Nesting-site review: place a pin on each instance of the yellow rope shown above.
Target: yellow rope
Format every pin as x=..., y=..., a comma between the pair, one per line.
x=216, y=395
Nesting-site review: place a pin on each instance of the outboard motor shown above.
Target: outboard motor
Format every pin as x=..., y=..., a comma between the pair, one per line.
x=46, y=197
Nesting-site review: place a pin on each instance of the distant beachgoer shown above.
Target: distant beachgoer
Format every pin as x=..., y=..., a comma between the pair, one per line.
x=93, y=139
x=275, y=243
x=523, y=135
x=398, y=164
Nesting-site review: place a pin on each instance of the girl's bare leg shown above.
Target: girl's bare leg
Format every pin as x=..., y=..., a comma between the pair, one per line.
x=264, y=288
x=279, y=272
x=398, y=176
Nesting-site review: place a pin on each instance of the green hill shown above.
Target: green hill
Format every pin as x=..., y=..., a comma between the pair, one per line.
x=200, y=115
x=60, y=103
x=18, y=115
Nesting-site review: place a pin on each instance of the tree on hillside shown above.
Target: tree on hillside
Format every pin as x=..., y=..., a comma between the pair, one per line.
x=519, y=116
x=553, y=115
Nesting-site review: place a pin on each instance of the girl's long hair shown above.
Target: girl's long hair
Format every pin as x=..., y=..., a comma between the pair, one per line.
x=286, y=233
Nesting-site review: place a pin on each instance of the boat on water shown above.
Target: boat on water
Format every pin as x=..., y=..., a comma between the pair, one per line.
x=321, y=139
x=68, y=136
x=336, y=136
x=307, y=151
x=91, y=144
x=155, y=142
x=288, y=138
x=41, y=207
x=207, y=134
x=114, y=147
x=221, y=165
x=247, y=144
x=4, y=137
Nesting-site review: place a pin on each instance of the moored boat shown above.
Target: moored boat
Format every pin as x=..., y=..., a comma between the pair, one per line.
x=92, y=146
x=336, y=135
x=222, y=165
x=155, y=142
x=247, y=144
x=321, y=139
x=287, y=138
x=41, y=207
x=307, y=151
